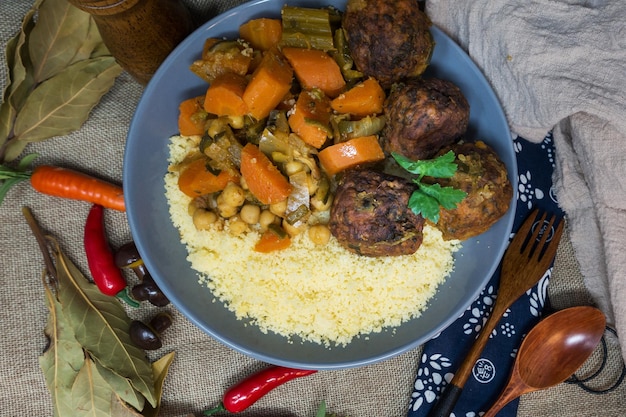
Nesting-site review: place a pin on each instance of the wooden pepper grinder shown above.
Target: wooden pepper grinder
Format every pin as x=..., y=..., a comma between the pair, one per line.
x=139, y=33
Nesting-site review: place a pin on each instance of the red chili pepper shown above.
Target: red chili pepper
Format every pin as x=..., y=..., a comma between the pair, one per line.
x=250, y=390
x=100, y=257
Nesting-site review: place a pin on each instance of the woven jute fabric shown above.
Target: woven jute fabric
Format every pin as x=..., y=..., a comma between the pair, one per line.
x=204, y=368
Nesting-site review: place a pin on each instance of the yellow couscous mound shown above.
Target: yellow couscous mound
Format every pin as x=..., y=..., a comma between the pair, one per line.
x=322, y=293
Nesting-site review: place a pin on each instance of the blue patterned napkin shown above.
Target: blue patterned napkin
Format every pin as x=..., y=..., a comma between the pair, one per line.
x=443, y=354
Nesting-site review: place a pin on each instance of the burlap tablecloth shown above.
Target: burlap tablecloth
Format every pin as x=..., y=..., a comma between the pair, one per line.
x=203, y=368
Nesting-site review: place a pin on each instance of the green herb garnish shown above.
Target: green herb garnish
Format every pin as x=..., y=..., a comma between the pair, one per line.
x=427, y=199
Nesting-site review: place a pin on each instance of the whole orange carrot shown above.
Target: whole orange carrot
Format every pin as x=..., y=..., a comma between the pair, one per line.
x=62, y=182
x=66, y=183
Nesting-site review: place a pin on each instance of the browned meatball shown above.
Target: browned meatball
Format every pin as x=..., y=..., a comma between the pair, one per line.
x=483, y=176
x=424, y=115
x=370, y=214
x=388, y=40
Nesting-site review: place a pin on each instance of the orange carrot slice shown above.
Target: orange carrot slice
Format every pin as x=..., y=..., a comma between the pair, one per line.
x=270, y=241
x=316, y=69
x=264, y=180
x=311, y=117
x=351, y=153
x=270, y=82
x=364, y=99
x=191, y=116
x=224, y=97
x=196, y=180
x=262, y=33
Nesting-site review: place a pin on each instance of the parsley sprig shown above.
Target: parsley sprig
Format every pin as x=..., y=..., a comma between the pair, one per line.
x=427, y=198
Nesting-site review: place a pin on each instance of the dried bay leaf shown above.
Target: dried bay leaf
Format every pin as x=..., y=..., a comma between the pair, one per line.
x=82, y=364
x=19, y=80
x=19, y=63
x=100, y=49
x=160, y=368
x=120, y=409
x=121, y=386
x=13, y=150
x=62, y=359
x=58, y=37
x=7, y=114
x=93, y=46
x=101, y=325
x=91, y=394
x=54, y=37
x=62, y=103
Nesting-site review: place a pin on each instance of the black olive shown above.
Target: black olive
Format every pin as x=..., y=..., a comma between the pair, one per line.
x=161, y=321
x=127, y=257
x=143, y=336
x=141, y=292
x=159, y=299
x=148, y=290
x=148, y=336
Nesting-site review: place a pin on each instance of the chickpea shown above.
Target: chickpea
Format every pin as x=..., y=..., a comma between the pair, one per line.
x=266, y=218
x=250, y=213
x=203, y=219
x=279, y=209
x=226, y=210
x=193, y=206
x=293, y=167
x=233, y=195
x=242, y=183
x=236, y=226
x=236, y=122
x=319, y=234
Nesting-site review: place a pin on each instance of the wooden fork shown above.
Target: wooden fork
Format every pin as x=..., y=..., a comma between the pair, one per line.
x=525, y=261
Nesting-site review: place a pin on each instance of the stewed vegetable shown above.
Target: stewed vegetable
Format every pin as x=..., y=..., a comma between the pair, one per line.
x=274, y=101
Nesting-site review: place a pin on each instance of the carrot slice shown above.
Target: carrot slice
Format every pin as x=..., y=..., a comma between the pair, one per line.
x=270, y=241
x=270, y=82
x=191, y=116
x=351, y=153
x=196, y=180
x=311, y=117
x=364, y=99
x=262, y=33
x=224, y=97
x=264, y=180
x=316, y=69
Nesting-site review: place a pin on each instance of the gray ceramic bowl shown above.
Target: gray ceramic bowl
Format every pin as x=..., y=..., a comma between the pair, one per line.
x=145, y=164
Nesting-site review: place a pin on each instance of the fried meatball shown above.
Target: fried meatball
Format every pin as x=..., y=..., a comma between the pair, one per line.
x=483, y=176
x=370, y=214
x=423, y=116
x=388, y=40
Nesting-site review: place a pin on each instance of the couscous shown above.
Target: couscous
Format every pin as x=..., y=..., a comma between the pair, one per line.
x=321, y=293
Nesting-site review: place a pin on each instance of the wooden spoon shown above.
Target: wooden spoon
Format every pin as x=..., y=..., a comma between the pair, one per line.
x=552, y=351
x=525, y=261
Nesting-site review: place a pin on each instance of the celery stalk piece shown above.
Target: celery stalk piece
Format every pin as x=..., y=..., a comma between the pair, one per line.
x=342, y=56
x=307, y=28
